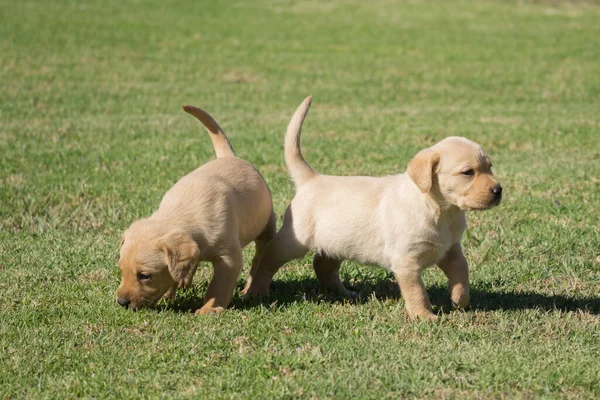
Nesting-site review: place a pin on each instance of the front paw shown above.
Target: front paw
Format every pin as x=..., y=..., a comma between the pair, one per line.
x=205, y=310
x=460, y=297
x=422, y=315
x=186, y=283
x=170, y=294
x=255, y=290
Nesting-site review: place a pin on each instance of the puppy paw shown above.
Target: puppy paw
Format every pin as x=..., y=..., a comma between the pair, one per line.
x=186, y=283
x=460, y=299
x=255, y=291
x=349, y=294
x=423, y=315
x=170, y=293
x=209, y=310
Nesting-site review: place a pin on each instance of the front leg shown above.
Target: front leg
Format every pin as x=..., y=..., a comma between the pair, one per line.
x=170, y=294
x=408, y=274
x=227, y=269
x=186, y=283
x=456, y=269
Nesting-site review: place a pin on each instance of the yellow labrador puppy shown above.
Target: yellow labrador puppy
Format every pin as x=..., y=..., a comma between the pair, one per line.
x=208, y=215
x=404, y=223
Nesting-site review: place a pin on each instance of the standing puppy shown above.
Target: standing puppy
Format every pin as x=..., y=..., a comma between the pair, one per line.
x=404, y=223
x=208, y=215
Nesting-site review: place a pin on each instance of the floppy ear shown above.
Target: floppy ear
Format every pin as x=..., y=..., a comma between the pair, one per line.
x=121, y=245
x=182, y=254
x=421, y=167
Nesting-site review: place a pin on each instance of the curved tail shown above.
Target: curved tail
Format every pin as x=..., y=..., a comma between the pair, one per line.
x=219, y=139
x=298, y=167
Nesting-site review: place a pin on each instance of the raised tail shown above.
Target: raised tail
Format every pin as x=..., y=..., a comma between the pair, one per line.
x=298, y=167
x=219, y=139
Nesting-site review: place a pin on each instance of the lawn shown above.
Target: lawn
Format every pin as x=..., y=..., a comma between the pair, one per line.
x=92, y=135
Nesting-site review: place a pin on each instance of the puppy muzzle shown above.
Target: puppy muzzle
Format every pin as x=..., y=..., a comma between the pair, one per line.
x=124, y=302
x=497, y=193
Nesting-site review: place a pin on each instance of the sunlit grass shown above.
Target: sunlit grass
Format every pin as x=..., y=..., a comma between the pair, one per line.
x=92, y=135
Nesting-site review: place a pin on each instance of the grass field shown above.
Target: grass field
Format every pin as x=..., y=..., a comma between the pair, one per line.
x=92, y=135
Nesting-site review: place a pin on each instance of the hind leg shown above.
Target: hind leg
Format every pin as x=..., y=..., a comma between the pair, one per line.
x=328, y=273
x=283, y=248
x=261, y=243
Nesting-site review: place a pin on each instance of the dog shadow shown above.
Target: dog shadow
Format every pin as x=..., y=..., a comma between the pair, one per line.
x=285, y=293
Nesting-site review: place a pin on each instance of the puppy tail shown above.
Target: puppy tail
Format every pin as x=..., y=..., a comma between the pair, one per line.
x=219, y=139
x=298, y=167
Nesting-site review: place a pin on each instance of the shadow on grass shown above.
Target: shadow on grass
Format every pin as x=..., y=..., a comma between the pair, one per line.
x=290, y=292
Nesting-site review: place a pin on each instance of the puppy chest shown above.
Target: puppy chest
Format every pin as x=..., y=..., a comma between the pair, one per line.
x=430, y=246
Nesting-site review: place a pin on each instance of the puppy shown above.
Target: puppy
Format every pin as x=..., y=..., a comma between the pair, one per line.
x=210, y=214
x=404, y=223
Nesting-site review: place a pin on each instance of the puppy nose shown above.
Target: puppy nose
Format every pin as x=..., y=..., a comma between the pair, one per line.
x=497, y=190
x=123, y=302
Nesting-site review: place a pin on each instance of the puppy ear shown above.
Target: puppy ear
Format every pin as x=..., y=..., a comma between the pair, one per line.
x=421, y=168
x=118, y=253
x=182, y=254
x=123, y=238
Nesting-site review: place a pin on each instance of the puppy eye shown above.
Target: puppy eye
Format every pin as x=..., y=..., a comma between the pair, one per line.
x=468, y=172
x=143, y=277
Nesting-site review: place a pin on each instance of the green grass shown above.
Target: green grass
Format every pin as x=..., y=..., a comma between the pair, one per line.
x=92, y=135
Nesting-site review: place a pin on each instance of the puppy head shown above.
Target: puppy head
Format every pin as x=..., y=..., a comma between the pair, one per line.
x=152, y=259
x=456, y=171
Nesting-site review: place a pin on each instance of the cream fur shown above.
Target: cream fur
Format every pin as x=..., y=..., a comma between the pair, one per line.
x=211, y=214
x=404, y=223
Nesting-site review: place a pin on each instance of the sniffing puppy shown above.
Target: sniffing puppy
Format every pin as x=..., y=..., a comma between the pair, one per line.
x=404, y=223
x=208, y=215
